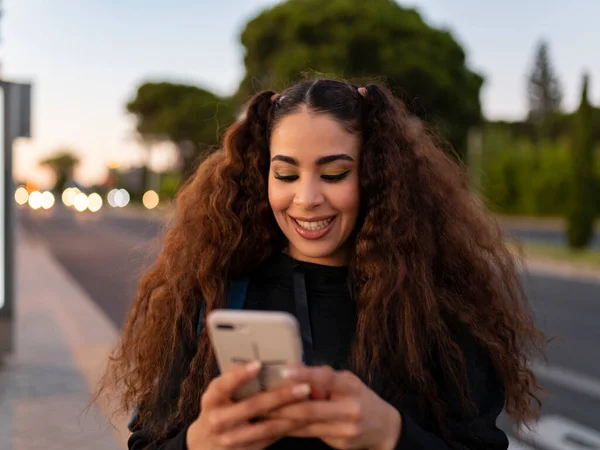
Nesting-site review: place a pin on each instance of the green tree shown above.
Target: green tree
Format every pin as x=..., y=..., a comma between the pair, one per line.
x=365, y=40
x=544, y=91
x=582, y=210
x=190, y=117
x=169, y=185
x=62, y=164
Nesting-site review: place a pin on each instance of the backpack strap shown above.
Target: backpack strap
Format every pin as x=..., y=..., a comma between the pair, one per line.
x=236, y=297
x=133, y=419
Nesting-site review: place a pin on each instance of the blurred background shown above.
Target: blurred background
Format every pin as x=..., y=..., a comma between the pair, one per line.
x=126, y=97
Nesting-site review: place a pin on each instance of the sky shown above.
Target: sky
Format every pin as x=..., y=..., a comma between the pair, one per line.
x=86, y=59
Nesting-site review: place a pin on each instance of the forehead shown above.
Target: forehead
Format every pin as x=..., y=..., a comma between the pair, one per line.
x=307, y=136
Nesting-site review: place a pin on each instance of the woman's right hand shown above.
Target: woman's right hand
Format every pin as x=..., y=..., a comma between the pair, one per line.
x=224, y=424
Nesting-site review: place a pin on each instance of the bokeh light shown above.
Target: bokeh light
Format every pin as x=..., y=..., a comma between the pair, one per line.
x=81, y=202
x=21, y=195
x=47, y=200
x=94, y=202
x=125, y=197
x=111, y=198
x=118, y=198
x=150, y=199
x=68, y=196
x=35, y=200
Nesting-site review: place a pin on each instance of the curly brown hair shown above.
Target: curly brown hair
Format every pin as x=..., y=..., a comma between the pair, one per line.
x=427, y=258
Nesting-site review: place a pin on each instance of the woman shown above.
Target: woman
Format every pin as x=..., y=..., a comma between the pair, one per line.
x=323, y=184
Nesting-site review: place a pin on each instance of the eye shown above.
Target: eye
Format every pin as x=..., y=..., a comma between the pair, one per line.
x=333, y=177
x=287, y=177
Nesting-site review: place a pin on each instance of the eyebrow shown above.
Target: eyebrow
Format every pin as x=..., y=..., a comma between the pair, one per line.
x=320, y=162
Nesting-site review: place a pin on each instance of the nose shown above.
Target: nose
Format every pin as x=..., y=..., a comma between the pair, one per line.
x=309, y=194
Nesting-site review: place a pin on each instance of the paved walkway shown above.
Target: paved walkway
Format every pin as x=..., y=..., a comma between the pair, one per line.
x=62, y=341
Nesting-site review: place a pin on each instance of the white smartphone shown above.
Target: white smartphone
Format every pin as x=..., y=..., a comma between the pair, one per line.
x=242, y=336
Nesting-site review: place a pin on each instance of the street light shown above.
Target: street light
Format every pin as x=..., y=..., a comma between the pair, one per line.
x=150, y=199
x=15, y=122
x=21, y=196
x=94, y=202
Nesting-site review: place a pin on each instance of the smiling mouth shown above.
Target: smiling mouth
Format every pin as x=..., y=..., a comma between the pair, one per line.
x=314, y=225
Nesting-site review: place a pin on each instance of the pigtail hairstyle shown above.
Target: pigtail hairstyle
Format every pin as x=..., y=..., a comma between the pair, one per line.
x=223, y=228
x=427, y=257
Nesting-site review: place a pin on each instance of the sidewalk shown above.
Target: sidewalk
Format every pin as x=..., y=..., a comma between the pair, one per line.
x=62, y=341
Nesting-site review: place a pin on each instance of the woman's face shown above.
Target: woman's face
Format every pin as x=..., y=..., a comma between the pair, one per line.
x=313, y=185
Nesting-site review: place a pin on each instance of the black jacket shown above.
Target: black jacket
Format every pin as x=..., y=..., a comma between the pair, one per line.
x=333, y=319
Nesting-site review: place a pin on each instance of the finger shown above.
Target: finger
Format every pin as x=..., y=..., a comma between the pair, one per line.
x=259, y=405
x=317, y=393
x=324, y=378
x=265, y=443
x=222, y=388
x=261, y=431
x=326, y=430
x=319, y=411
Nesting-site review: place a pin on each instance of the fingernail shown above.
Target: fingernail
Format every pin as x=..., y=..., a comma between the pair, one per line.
x=253, y=367
x=289, y=372
x=301, y=390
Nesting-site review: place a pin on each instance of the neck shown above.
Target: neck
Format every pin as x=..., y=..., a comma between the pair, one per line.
x=339, y=258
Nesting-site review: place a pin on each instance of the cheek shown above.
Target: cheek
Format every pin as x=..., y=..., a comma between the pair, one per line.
x=279, y=198
x=346, y=199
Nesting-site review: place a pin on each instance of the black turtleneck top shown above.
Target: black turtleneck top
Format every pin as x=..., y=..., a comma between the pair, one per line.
x=332, y=314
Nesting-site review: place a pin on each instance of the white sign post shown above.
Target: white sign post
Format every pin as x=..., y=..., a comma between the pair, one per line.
x=15, y=122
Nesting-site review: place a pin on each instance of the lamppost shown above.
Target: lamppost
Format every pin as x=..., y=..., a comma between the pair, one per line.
x=15, y=122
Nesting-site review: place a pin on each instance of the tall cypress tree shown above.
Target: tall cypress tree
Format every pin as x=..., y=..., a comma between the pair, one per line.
x=582, y=211
x=544, y=91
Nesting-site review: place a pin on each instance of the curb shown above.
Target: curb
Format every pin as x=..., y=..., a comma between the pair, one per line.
x=563, y=270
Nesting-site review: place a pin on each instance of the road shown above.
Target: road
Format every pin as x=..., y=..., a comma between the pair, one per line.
x=107, y=251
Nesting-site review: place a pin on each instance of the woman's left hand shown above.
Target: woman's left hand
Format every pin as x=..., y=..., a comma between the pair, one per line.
x=351, y=417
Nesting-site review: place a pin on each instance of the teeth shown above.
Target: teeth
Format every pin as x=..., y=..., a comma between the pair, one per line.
x=314, y=225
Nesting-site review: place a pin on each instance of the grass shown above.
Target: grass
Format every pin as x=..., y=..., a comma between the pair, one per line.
x=588, y=257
